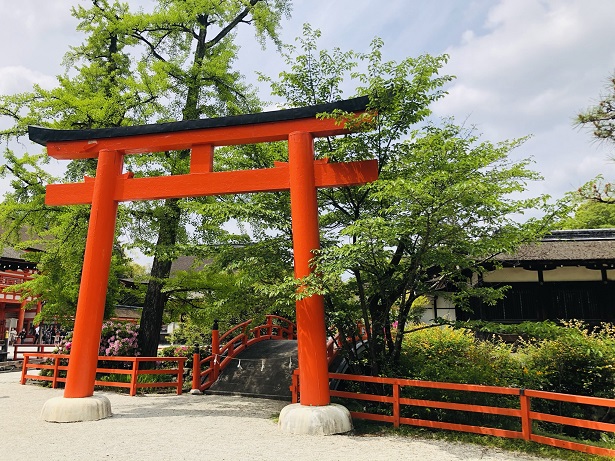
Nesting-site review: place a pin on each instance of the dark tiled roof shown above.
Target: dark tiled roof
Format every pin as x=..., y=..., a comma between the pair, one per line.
x=128, y=312
x=8, y=252
x=568, y=247
x=187, y=263
x=44, y=135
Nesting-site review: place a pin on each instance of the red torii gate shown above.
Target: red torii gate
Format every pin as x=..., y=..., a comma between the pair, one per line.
x=302, y=175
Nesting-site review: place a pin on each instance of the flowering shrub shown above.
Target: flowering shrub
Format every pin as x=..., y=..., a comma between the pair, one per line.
x=119, y=339
x=65, y=345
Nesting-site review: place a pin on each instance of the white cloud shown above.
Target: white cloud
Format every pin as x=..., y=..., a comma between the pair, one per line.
x=536, y=58
x=530, y=68
x=522, y=66
x=17, y=79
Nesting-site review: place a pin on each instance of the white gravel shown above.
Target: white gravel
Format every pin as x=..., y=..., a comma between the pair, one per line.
x=191, y=427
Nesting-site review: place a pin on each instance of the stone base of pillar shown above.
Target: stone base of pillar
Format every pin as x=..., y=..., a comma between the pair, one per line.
x=315, y=420
x=63, y=410
x=196, y=392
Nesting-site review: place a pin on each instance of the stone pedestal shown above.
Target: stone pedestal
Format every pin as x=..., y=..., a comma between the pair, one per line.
x=65, y=410
x=315, y=420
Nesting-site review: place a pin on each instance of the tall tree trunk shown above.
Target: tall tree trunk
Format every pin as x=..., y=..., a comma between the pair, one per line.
x=155, y=298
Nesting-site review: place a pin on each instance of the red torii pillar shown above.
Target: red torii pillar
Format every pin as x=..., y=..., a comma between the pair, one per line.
x=302, y=175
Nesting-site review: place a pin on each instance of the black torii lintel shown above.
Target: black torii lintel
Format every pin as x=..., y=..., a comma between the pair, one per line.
x=42, y=135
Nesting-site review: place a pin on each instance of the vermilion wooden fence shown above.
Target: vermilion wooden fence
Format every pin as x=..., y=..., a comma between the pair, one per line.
x=56, y=366
x=524, y=412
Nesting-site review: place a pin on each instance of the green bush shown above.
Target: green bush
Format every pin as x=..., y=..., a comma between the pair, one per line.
x=580, y=361
x=455, y=355
x=570, y=358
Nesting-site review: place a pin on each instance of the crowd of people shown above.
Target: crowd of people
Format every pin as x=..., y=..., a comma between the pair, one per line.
x=47, y=334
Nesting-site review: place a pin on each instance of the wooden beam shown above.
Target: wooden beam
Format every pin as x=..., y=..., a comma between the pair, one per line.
x=215, y=183
x=218, y=136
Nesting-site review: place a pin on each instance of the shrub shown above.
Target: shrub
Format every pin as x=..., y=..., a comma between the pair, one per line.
x=570, y=358
x=454, y=355
x=119, y=339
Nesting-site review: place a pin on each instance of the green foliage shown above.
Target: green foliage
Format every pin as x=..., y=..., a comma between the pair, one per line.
x=571, y=359
x=175, y=62
x=454, y=355
x=601, y=120
x=591, y=214
x=443, y=203
x=601, y=117
x=525, y=330
x=190, y=333
x=52, y=237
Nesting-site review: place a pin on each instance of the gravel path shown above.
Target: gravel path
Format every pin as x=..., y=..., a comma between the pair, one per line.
x=190, y=427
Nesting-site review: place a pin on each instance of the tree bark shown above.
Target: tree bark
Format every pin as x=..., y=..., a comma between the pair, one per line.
x=155, y=298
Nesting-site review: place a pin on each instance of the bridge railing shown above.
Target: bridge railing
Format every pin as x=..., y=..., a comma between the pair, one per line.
x=226, y=347
x=58, y=364
x=523, y=412
x=335, y=346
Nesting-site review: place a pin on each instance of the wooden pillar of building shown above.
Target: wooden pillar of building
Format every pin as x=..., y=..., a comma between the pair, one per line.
x=22, y=316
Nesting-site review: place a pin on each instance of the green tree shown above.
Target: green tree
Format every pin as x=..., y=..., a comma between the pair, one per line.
x=173, y=63
x=601, y=119
x=58, y=233
x=190, y=49
x=591, y=214
x=441, y=207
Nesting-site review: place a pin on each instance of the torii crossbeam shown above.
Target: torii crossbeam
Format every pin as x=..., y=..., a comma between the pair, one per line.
x=302, y=175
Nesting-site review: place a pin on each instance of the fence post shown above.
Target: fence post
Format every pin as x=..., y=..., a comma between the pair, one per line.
x=180, y=376
x=215, y=350
x=56, y=371
x=269, y=326
x=294, y=387
x=134, y=375
x=396, y=405
x=526, y=422
x=196, y=371
x=24, y=369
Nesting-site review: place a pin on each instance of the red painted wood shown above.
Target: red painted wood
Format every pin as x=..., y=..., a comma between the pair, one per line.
x=311, y=328
x=573, y=446
x=219, y=183
x=570, y=398
x=94, y=278
x=524, y=412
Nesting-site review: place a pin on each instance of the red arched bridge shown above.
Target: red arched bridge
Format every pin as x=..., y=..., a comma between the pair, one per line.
x=251, y=361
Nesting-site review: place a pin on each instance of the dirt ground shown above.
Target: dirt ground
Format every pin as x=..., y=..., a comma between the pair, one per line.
x=192, y=427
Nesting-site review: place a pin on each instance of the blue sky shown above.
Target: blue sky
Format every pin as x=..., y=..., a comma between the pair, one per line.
x=522, y=67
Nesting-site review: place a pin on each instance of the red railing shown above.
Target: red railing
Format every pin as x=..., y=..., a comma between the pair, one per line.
x=524, y=412
x=9, y=279
x=60, y=363
x=334, y=343
x=226, y=347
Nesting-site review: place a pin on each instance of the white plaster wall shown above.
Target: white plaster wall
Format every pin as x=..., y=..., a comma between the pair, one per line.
x=445, y=307
x=510, y=274
x=559, y=274
x=572, y=274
